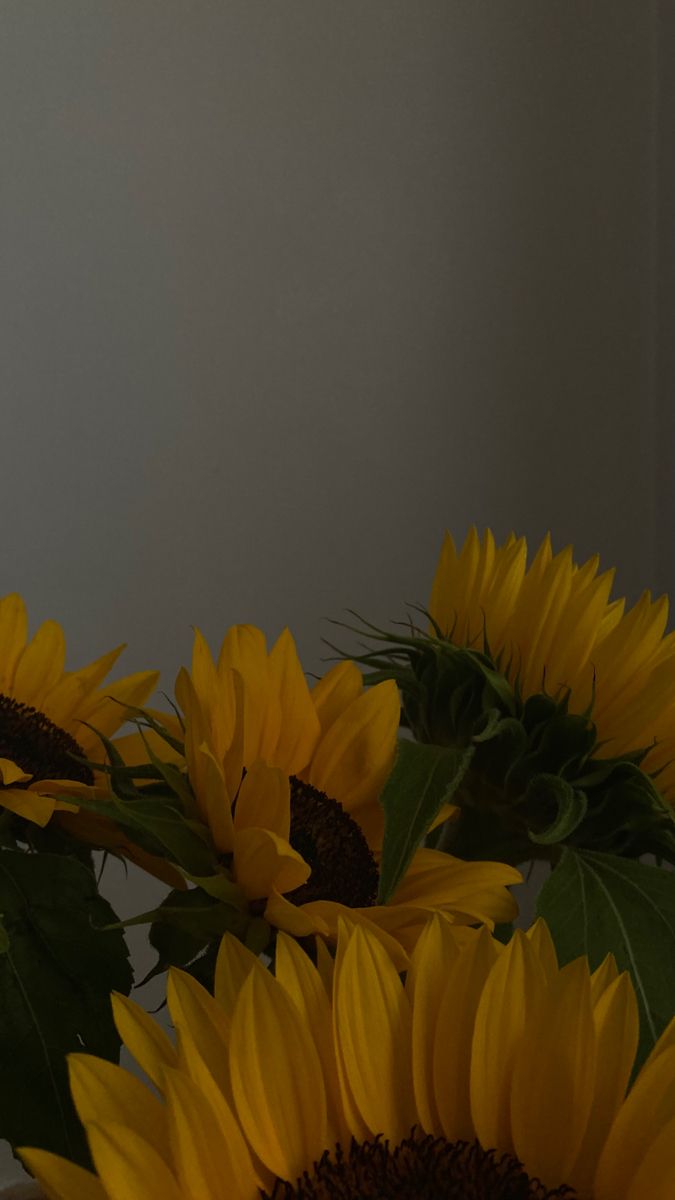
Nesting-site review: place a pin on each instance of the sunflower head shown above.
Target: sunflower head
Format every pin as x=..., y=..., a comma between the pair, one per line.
x=50, y=718
x=417, y=1168
x=552, y=626
x=541, y=774
x=275, y=807
x=342, y=865
x=488, y=1073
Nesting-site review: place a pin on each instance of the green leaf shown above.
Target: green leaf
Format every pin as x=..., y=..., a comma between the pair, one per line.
x=221, y=888
x=424, y=778
x=187, y=922
x=175, y=780
x=173, y=934
x=56, y=974
x=155, y=824
x=595, y=903
x=142, y=717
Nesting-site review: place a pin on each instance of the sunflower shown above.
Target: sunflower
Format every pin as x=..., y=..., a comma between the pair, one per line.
x=553, y=627
x=489, y=1072
x=48, y=715
x=288, y=781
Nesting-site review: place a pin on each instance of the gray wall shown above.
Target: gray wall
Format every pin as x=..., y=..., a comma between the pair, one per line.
x=288, y=287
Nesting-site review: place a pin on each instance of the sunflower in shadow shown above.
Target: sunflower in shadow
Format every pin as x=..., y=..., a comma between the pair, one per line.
x=489, y=1072
x=48, y=715
x=288, y=779
x=551, y=626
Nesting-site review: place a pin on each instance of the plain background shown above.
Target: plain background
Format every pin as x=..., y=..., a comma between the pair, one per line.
x=288, y=288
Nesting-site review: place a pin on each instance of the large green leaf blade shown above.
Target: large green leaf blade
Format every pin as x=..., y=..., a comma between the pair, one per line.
x=595, y=903
x=424, y=778
x=57, y=969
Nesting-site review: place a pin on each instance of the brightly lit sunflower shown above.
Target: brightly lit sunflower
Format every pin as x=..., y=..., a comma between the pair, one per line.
x=48, y=715
x=552, y=627
x=288, y=780
x=489, y=1073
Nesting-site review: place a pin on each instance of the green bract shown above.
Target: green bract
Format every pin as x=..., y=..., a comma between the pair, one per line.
x=535, y=781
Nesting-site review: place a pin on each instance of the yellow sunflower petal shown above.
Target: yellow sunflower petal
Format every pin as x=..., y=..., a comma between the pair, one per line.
x=60, y=1179
x=207, y=700
x=264, y=863
x=447, y=812
x=375, y=920
x=356, y=754
x=624, y=653
x=483, y=560
x=539, y=937
x=333, y=693
x=244, y=648
x=40, y=664
x=144, y=1038
x=544, y=596
x=435, y=879
x=299, y=730
x=577, y=630
x=36, y=808
x=502, y=594
x=553, y=1077
x=450, y=1068
x=107, y=712
x=243, y=745
x=509, y=999
x=204, y=673
x=213, y=799
x=397, y=923
x=655, y=1175
x=603, y=977
x=264, y=800
x=13, y=634
x=202, y=1028
x=234, y=964
x=442, y=602
x=325, y=964
x=63, y=700
x=211, y=1156
x=646, y=1111
x=616, y=1020
x=63, y=705
x=665, y=1041
x=424, y=985
x=293, y=918
x=459, y=587
x=11, y=772
x=104, y=1092
x=91, y=676
x=303, y=983
x=205, y=769
x=129, y=1167
x=373, y=1039
x=277, y=1080
x=243, y=656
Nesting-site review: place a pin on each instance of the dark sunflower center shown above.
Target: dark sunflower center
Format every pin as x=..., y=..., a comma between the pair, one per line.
x=417, y=1169
x=343, y=868
x=37, y=745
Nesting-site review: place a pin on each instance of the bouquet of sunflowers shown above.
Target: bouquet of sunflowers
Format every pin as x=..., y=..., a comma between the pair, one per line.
x=354, y=1012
